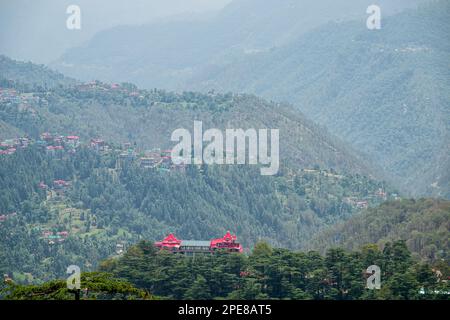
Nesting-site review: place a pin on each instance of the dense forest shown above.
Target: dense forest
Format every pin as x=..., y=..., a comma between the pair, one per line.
x=267, y=273
x=125, y=113
x=106, y=203
x=423, y=223
x=63, y=205
x=385, y=92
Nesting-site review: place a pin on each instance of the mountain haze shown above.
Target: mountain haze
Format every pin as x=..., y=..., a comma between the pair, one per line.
x=175, y=50
x=386, y=92
x=90, y=175
x=383, y=91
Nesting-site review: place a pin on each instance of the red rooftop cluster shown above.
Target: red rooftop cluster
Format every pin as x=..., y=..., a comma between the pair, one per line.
x=228, y=243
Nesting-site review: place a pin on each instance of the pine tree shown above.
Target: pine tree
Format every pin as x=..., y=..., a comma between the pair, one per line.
x=199, y=290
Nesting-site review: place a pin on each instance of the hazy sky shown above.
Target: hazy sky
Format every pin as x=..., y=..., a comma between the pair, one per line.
x=36, y=29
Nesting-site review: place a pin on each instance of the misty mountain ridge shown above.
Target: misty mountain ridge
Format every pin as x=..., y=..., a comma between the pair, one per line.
x=174, y=50
x=124, y=113
x=335, y=73
x=385, y=92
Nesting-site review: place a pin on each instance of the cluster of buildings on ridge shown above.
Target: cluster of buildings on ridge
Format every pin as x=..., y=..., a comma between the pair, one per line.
x=54, y=237
x=10, y=146
x=10, y=95
x=151, y=159
x=380, y=195
x=59, y=145
x=114, y=87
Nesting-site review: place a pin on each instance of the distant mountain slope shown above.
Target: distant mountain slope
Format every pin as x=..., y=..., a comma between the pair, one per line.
x=424, y=224
x=126, y=113
x=166, y=54
x=36, y=30
x=386, y=92
x=30, y=74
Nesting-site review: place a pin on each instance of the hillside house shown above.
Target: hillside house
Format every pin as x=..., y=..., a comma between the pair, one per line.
x=46, y=234
x=120, y=248
x=98, y=145
x=149, y=162
x=127, y=156
x=72, y=141
x=54, y=150
x=381, y=194
x=166, y=153
x=46, y=136
x=42, y=186
x=60, y=186
x=8, y=151
x=362, y=204
x=64, y=234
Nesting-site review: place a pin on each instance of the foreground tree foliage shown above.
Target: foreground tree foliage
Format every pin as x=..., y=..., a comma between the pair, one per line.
x=272, y=273
x=95, y=285
x=144, y=272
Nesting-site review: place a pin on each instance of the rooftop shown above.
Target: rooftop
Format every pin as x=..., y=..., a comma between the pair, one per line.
x=195, y=243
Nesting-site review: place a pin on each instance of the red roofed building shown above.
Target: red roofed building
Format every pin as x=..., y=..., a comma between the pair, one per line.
x=55, y=150
x=4, y=145
x=60, y=185
x=170, y=242
x=50, y=148
x=46, y=234
x=97, y=144
x=47, y=136
x=227, y=242
x=42, y=185
x=190, y=247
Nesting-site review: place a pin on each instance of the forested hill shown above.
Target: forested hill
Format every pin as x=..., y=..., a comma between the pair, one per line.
x=424, y=225
x=64, y=206
x=124, y=113
x=29, y=74
x=386, y=91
